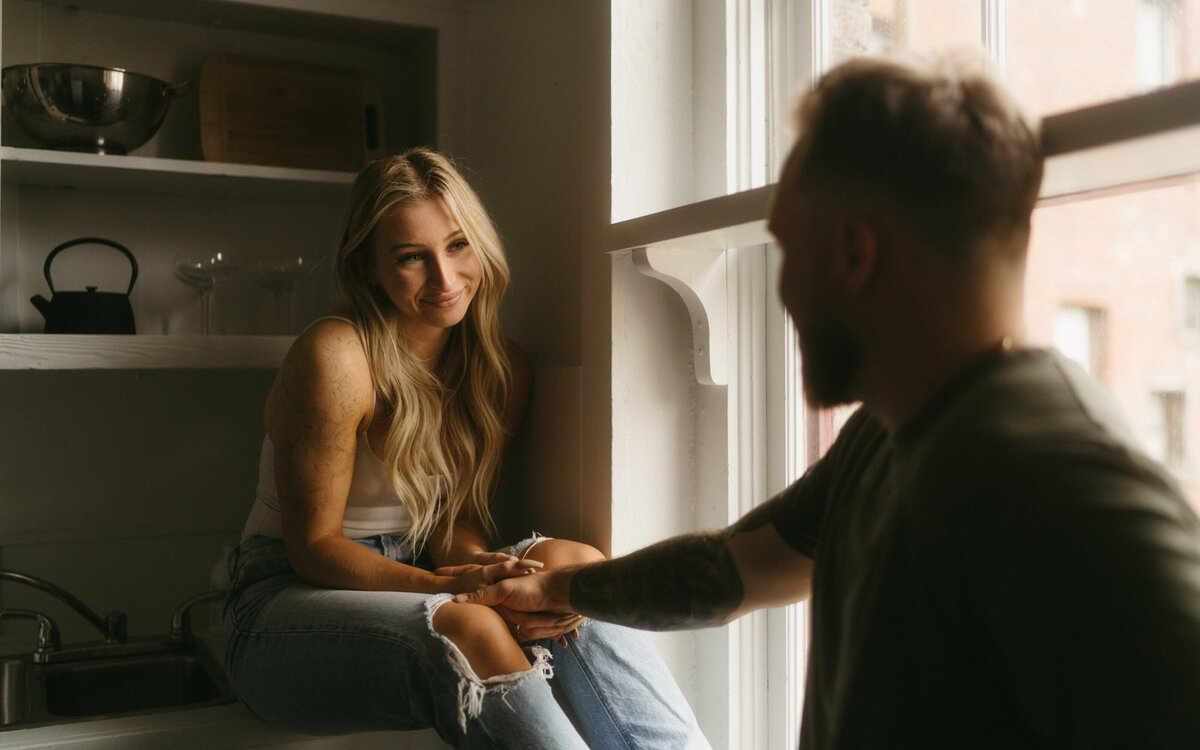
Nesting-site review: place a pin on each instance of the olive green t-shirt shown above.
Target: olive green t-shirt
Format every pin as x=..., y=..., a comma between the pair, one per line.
x=1007, y=571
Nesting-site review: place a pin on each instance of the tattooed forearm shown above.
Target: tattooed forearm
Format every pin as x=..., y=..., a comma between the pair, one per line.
x=686, y=582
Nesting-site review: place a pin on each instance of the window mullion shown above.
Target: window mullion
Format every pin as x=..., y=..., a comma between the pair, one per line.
x=995, y=31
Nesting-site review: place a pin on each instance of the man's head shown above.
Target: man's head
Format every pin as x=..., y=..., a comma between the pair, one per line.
x=930, y=154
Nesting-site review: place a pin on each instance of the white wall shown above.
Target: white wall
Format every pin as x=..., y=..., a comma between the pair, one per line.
x=536, y=145
x=613, y=438
x=122, y=487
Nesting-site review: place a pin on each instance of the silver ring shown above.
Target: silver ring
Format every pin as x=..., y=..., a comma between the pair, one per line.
x=517, y=632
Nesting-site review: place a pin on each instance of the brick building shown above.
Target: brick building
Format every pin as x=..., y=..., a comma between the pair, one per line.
x=1114, y=279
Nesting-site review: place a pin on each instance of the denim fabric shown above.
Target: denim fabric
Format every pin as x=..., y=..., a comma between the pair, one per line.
x=621, y=692
x=327, y=661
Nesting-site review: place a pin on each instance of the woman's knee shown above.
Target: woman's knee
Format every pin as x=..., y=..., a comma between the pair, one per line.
x=556, y=553
x=483, y=638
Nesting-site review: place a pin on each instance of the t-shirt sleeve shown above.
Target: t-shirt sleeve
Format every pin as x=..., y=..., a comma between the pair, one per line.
x=799, y=511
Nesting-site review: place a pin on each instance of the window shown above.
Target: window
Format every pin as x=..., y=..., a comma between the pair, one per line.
x=702, y=93
x=1064, y=54
x=1157, y=46
x=1079, y=334
x=1166, y=432
x=1191, y=304
x=1120, y=251
x=919, y=24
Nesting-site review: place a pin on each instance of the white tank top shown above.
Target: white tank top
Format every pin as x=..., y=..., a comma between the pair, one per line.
x=372, y=506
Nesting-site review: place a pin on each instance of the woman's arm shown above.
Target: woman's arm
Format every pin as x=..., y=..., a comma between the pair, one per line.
x=321, y=399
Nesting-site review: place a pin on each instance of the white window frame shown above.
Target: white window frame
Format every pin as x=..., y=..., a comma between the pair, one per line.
x=706, y=252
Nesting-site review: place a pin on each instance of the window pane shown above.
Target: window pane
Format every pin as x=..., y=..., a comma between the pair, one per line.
x=1112, y=281
x=1079, y=334
x=911, y=24
x=1191, y=304
x=822, y=427
x=1064, y=54
x=1166, y=431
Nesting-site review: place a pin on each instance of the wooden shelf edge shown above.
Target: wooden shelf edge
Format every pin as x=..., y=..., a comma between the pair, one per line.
x=38, y=351
x=131, y=173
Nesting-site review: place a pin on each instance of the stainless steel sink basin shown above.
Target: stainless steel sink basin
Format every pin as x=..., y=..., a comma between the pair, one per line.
x=35, y=694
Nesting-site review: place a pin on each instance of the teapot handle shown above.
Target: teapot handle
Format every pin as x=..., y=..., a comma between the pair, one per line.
x=91, y=241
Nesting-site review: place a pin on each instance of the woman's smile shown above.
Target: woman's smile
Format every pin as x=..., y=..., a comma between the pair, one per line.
x=444, y=300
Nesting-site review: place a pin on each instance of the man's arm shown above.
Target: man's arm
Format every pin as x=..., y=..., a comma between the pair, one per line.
x=690, y=581
x=695, y=580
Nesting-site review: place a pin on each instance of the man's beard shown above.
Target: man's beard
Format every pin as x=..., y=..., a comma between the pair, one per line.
x=829, y=364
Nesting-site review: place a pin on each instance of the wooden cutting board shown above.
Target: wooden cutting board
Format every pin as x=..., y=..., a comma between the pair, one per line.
x=287, y=114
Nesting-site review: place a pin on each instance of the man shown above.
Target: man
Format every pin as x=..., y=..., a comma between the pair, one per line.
x=992, y=562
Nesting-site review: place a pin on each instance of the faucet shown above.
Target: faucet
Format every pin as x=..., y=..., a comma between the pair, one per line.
x=112, y=625
x=181, y=620
x=48, y=639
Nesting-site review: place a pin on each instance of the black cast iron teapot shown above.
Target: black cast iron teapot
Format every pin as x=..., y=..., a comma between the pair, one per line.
x=89, y=311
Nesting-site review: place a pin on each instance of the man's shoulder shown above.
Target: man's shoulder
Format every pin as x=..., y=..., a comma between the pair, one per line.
x=1039, y=437
x=1033, y=401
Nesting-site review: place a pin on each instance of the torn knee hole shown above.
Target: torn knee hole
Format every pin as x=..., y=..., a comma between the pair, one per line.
x=455, y=624
x=481, y=636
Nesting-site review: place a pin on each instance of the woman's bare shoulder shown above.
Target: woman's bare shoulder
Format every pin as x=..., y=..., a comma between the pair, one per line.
x=325, y=370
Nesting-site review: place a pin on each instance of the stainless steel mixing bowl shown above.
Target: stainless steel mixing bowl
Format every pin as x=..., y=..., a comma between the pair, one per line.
x=85, y=107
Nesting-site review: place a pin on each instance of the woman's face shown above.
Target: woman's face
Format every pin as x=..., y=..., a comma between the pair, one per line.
x=427, y=268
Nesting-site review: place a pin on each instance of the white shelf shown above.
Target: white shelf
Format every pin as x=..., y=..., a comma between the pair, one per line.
x=38, y=351
x=47, y=168
x=375, y=23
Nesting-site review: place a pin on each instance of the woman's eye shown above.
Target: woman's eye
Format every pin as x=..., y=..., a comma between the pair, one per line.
x=409, y=258
x=459, y=245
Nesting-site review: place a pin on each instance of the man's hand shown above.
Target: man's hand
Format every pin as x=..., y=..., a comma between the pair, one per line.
x=685, y=582
x=690, y=581
x=536, y=605
x=541, y=592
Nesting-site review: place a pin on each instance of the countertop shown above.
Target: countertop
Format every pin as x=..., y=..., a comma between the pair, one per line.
x=211, y=728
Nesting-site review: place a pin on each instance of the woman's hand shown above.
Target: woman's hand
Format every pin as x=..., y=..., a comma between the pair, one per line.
x=486, y=558
x=472, y=576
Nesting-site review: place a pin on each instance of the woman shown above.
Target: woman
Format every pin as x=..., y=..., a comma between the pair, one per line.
x=386, y=426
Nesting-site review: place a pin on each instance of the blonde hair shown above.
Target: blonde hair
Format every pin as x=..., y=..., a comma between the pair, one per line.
x=446, y=436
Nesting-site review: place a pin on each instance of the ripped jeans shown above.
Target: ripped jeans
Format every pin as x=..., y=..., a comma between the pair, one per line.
x=327, y=661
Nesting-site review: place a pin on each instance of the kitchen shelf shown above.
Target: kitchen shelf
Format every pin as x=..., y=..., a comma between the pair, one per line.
x=39, y=351
x=375, y=23
x=68, y=169
x=179, y=199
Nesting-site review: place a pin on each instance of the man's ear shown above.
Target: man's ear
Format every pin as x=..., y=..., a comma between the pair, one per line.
x=858, y=257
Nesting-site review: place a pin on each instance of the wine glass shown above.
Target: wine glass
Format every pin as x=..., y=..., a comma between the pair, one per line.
x=204, y=271
x=282, y=275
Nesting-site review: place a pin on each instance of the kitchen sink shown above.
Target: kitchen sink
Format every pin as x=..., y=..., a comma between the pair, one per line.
x=36, y=694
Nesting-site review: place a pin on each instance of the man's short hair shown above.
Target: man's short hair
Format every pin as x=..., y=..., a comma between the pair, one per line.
x=937, y=138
